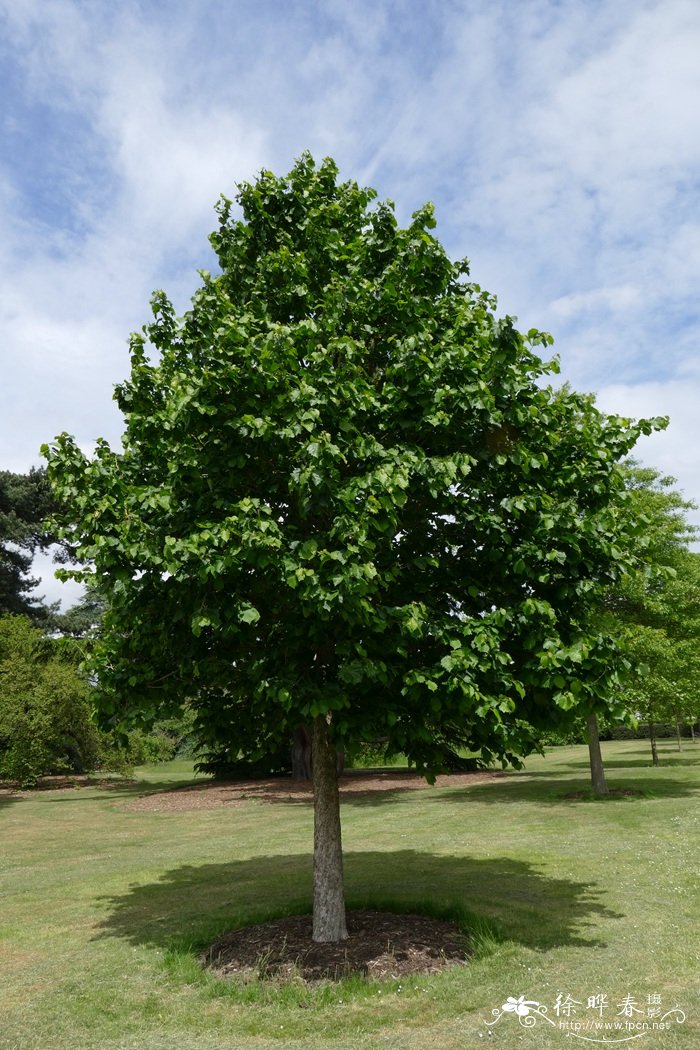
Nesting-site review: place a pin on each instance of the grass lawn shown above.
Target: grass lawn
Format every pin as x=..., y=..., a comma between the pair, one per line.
x=103, y=910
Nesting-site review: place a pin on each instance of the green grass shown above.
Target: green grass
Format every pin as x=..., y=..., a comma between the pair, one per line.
x=179, y=771
x=104, y=909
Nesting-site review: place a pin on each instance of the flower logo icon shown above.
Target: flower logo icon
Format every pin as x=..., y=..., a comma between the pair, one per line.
x=520, y=1006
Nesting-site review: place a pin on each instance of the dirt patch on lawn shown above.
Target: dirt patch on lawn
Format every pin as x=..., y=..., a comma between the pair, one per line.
x=380, y=945
x=212, y=793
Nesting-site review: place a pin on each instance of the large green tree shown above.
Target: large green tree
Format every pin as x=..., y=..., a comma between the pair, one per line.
x=346, y=499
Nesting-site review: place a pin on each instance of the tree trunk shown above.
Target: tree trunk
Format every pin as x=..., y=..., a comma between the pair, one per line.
x=301, y=754
x=598, y=781
x=652, y=738
x=329, y=900
x=678, y=736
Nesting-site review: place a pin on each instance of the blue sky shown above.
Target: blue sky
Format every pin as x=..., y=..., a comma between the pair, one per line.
x=560, y=143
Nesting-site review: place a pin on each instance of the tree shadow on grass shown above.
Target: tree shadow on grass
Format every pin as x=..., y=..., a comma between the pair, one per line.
x=167, y=796
x=85, y=795
x=557, y=789
x=357, y=788
x=543, y=786
x=105, y=790
x=678, y=761
x=194, y=904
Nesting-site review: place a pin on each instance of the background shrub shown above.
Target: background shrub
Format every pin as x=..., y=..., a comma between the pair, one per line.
x=45, y=707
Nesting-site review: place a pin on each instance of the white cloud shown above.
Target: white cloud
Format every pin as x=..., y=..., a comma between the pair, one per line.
x=560, y=142
x=70, y=300
x=619, y=300
x=675, y=450
x=171, y=160
x=579, y=131
x=50, y=589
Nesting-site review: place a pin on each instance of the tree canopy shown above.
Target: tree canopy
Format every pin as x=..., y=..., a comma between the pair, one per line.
x=346, y=495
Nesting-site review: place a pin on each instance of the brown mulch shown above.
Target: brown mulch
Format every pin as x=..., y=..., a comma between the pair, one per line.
x=380, y=945
x=210, y=794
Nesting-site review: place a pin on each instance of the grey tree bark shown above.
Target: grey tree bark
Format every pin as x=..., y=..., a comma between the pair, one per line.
x=329, y=898
x=598, y=781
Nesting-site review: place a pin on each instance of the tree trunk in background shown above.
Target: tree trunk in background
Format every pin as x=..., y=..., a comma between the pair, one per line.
x=329, y=899
x=598, y=781
x=301, y=754
x=678, y=736
x=652, y=738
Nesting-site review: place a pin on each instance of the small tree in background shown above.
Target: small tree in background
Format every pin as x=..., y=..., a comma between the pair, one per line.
x=83, y=619
x=345, y=501
x=664, y=650
x=45, y=707
x=654, y=610
x=25, y=501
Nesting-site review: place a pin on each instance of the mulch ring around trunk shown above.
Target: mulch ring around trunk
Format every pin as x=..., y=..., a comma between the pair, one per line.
x=380, y=946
